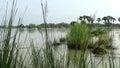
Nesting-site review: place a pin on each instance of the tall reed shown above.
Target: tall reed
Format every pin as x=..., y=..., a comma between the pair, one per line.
x=9, y=51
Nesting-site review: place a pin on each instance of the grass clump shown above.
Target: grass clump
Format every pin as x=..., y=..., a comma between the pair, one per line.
x=104, y=40
x=98, y=31
x=78, y=36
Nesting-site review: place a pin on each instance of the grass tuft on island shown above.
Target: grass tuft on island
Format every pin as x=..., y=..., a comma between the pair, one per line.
x=78, y=36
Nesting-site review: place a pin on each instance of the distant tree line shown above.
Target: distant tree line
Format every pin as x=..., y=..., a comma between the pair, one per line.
x=42, y=25
x=106, y=20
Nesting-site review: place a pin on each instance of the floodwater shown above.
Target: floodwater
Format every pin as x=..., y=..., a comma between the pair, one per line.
x=37, y=38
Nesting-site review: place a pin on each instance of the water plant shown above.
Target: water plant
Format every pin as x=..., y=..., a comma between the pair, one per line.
x=78, y=36
x=98, y=32
x=9, y=49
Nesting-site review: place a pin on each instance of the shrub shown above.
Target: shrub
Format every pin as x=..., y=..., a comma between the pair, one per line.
x=78, y=36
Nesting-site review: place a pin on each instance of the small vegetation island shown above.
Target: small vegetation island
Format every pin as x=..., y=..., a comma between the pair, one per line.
x=88, y=42
x=81, y=34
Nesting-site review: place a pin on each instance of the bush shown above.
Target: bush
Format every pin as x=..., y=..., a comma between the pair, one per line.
x=78, y=36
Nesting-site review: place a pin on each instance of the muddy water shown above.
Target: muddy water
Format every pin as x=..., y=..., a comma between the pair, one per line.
x=38, y=39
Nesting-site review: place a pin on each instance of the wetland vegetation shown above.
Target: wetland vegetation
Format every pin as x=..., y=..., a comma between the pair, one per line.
x=80, y=44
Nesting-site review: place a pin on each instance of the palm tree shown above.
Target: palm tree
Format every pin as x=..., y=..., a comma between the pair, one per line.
x=90, y=19
x=98, y=19
x=114, y=19
x=119, y=19
x=107, y=20
x=83, y=19
x=104, y=19
x=80, y=18
x=111, y=19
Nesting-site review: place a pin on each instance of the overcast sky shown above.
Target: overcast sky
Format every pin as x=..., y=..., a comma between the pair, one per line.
x=63, y=10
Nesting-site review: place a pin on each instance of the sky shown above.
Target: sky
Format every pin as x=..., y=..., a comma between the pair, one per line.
x=62, y=10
